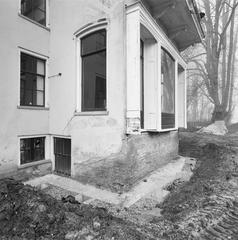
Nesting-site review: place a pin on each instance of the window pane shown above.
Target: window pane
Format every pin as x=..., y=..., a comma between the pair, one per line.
x=35, y=10
x=94, y=81
x=32, y=149
x=26, y=7
x=28, y=63
x=168, y=81
x=38, y=4
x=40, y=67
x=27, y=97
x=31, y=82
x=94, y=42
x=39, y=98
x=168, y=90
x=39, y=16
x=40, y=83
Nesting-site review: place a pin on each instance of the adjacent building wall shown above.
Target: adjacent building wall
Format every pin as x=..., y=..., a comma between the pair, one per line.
x=15, y=32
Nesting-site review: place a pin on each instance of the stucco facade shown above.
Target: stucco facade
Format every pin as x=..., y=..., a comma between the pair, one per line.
x=101, y=141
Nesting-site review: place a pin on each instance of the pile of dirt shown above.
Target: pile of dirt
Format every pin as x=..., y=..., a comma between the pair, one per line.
x=233, y=128
x=198, y=205
x=28, y=213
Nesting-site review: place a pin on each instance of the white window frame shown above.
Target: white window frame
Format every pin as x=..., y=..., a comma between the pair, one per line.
x=46, y=59
x=146, y=19
x=83, y=32
x=47, y=150
x=47, y=20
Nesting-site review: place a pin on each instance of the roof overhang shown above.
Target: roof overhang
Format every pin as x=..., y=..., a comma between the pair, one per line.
x=179, y=19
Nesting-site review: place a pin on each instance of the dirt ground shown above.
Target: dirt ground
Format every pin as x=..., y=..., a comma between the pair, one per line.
x=206, y=207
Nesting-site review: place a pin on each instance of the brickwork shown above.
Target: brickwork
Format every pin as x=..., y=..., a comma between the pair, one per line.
x=139, y=156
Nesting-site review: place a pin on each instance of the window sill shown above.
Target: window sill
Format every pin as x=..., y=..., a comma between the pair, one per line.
x=168, y=130
x=34, y=22
x=145, y=131
x=33, y=108
x=96, y=113
x=32, y=164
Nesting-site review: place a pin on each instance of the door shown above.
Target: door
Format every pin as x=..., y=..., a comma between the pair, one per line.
x=62, y=151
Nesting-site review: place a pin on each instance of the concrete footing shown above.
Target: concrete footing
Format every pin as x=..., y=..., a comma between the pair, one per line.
x=151, y=187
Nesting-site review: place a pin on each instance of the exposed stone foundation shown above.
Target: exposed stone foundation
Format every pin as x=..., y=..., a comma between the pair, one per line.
x=139, y=156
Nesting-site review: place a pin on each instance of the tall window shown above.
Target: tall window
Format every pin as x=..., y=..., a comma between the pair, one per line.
x=142, y=83
x=168, y=90
x=93, y=54
x=35, y=10
x=32, y=81
x=32, y=149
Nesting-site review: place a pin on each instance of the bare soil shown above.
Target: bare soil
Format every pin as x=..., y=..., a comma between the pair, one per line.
x=206, y=207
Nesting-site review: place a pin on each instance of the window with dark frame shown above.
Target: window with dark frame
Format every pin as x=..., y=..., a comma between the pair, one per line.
x=32, y=149
x=32, y=86
x=93, y=55
x=35, y=10
x=167, y=90
x=142, y=83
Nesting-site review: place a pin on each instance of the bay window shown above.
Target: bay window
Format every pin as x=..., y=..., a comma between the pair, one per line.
x=156, y=85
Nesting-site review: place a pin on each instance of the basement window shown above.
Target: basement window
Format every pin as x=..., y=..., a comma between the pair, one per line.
x=167, y=90
x=35, y=10
x=32, y=92
x=93, y=57
x=32, y=149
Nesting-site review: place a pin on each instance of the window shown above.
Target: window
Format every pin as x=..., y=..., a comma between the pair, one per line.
x=32, y=86
x=35, y=10
x=32, y=149
x=167, y=90
x=142, y=83
x=93, y=55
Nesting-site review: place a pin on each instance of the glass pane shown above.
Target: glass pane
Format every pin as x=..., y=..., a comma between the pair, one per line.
x=39, y=16
x=94, y=42
x=40, y=67
x=26, y=7
x=39, y=4
x=39, y=148
x=27, y=97
x=28, y=63
x=39, y=98
x=34, y=9
x=40, y=83
x=167, y=90
x=168, y=82
x=94, y=82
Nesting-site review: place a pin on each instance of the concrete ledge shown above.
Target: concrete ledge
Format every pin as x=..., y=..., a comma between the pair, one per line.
x=152, y=187
x=27, y=165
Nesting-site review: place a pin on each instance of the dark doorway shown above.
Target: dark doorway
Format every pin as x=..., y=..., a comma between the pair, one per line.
x=62, y=151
